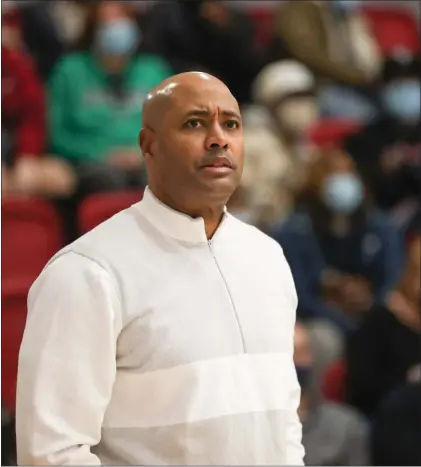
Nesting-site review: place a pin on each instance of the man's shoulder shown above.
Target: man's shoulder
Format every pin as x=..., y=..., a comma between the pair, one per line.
x=115, y=237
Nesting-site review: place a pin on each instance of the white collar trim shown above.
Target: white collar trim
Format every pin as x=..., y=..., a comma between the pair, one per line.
x=171, y=222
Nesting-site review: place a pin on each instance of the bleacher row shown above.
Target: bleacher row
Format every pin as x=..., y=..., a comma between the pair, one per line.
x=390, y=25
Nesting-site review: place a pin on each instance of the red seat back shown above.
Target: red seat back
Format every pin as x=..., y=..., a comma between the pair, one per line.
x=13, y=319
x=332, y=131
x=393, y=28
x=333, y=382
x=31, y=235
x=97, y=208
x=263, y=22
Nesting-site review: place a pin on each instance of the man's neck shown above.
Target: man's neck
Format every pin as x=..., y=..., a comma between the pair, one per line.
x=212, y=223
x=212, y=215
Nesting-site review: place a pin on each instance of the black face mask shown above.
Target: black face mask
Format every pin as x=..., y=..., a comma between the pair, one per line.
x=303, y=375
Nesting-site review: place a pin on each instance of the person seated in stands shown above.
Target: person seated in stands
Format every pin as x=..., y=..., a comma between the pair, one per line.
x=344, y=253
x=385, y=352
x=96, y=97
x=388, y=150
x=333, y=39
x=275, y=139
x=38, y=33
x=26, y=170
x=333, y=434
x=208, y=35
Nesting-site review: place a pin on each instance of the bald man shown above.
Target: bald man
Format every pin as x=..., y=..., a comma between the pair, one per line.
x=165, y=335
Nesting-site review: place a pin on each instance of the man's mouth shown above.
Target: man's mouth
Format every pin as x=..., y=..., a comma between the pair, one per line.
x=219, y=163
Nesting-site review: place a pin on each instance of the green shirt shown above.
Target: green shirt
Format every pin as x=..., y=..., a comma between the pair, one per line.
x=86, y=119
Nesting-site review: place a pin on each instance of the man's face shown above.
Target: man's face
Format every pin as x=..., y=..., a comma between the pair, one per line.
x=197, y=154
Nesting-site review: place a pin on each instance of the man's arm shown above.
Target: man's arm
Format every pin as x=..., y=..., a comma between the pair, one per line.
x=67, y=363
x=295, y=449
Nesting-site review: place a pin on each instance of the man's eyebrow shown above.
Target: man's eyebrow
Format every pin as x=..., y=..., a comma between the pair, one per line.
x=205, y=113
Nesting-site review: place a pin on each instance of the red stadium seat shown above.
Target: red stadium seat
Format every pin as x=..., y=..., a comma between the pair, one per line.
x=333, y=382
x=97, y=208
x=332, y=131
x=31, y=235
x=13, y=319
x=393, y=28
x=262, y=19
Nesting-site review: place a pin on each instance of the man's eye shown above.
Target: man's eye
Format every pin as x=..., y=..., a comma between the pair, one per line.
x=232, y=124
x=193, y=123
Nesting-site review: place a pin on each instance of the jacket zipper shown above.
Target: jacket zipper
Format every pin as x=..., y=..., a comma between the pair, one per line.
x=229, y=294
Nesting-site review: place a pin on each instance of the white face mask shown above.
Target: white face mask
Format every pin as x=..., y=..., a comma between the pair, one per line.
x=297, y=114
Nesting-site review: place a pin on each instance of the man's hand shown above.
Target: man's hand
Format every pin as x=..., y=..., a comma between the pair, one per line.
x=26, y=175
x=128, y=159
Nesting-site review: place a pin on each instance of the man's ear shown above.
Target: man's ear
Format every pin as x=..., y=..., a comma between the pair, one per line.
x=145, y=142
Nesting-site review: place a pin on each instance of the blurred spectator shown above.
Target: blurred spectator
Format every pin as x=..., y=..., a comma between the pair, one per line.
x=41, y=36
x=385, y=352
x=8, y=438
x=333, y=39
x=205, y=35
x=34, y=32
x=69, y=17
x=333, y=434
x=24, y=169
x=96, y=97
x=276, y=150
x=344, y=254
x=388, y=151
x=397, y=427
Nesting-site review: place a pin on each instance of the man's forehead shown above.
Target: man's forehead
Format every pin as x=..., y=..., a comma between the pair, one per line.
x=185, y=100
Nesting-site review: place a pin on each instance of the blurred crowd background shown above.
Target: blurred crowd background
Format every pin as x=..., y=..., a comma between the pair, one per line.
x=330, y=96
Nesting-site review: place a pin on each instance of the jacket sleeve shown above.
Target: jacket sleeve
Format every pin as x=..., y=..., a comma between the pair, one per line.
x=294, y=448
x=31, y=126
x=67, y=363
x=310, y=305
x=295, y=25
x=391, y=259
x=356, y=447
x=63, y=141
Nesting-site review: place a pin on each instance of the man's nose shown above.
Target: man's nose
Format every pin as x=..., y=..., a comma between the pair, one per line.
x=216, y=139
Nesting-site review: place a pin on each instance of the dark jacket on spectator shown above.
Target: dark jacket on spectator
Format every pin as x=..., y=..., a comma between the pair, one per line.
x=378, y=358
x=374, y=251
x=8, y=438
x=23, y=106
x=397, y=427
x=386, y=139
x=38, y=33
x=177, y=31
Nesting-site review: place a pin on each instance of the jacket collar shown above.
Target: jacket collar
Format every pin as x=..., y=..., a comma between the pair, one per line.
x=172, y=223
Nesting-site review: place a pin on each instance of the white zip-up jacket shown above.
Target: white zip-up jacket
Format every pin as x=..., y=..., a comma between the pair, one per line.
x=147, y=344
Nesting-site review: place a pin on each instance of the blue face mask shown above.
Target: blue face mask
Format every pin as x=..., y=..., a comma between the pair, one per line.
x=120, y=37
x=346, y=5
x=303, y=375
x=402, y=100
x=343, y=193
